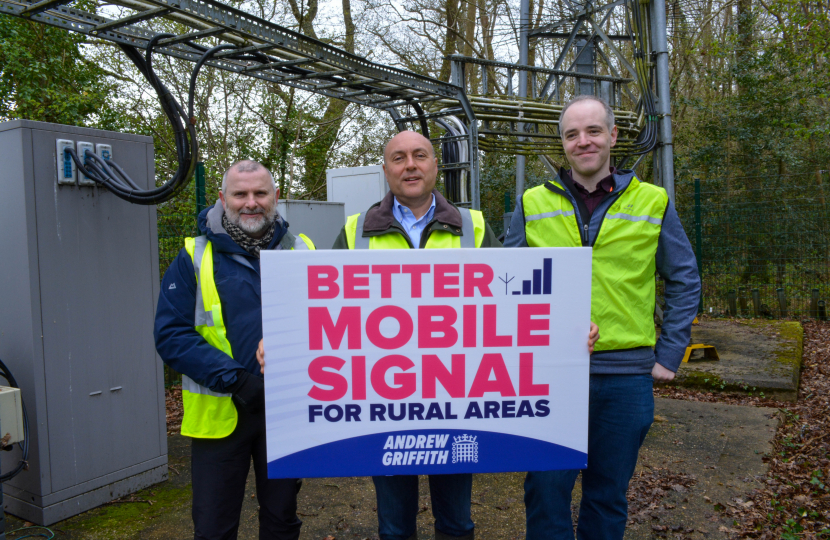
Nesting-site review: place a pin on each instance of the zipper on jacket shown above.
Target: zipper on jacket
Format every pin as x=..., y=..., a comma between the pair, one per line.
x=402, y=232
x=426, y=233
x=615, y=194
x=583, y=210
x=579, y=205
x=579, y=210
x=602, y=219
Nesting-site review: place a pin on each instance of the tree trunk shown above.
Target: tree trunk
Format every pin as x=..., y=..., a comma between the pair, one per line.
x=451, y=38
x=469, y=39
x=487, y=43
x=317, y=152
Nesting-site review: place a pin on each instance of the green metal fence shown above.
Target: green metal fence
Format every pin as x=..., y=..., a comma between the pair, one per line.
x=762, y=243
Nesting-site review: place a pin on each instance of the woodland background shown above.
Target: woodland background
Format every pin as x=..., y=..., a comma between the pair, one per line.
x=750, y=82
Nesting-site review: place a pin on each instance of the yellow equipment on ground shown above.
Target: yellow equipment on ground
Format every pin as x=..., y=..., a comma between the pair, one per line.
x=709, y=352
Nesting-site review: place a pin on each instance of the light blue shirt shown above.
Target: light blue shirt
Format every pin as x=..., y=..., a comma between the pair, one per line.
x=413, y=227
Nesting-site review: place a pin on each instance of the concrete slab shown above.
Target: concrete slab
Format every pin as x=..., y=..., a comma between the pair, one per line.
x=756, y=356
x=721, y=446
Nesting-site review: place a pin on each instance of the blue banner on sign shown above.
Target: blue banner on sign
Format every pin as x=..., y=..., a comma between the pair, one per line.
x=432, y=451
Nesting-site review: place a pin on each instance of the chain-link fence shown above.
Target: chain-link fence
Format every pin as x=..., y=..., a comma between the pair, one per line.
x=172, y=230
x=762, y=243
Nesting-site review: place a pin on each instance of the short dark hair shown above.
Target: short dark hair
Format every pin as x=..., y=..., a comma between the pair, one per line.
x=245, y=165
x=609, y=114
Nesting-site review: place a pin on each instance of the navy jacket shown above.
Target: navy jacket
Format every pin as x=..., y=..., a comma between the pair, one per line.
x=178, y=343
x=676, y=264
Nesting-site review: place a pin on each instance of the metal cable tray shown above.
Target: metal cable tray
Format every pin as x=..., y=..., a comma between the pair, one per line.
x=260, y=49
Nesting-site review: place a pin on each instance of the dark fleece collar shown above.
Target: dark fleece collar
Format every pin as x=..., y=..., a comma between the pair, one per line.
x=380, y=218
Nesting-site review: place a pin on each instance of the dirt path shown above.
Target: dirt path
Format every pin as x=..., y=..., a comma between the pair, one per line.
x=698, y=463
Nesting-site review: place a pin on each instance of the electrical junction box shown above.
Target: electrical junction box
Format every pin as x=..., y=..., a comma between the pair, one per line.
x=84, y=180
x=319, y=220
x=64, y=165
x=357, y=187
x=104, y=151
x=11, y=416
x=77, y=303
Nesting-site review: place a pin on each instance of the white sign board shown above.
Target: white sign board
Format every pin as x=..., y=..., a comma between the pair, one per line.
x=383, y=362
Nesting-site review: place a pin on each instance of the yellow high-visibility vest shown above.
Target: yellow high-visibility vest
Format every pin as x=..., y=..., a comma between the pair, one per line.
x=623, y=284
x=472, y=234
x=209, y=414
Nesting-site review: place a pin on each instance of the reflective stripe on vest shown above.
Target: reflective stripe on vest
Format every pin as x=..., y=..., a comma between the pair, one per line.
x=209, y=414
x=623, y=284
x=305, y=245
x=472, y=234
x=289, y=241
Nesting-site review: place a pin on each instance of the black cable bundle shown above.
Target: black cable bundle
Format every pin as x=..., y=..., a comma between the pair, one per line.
x=112, y=176
x=23, y=464
x=452, y=189
x=450, y=154
x=639, y=26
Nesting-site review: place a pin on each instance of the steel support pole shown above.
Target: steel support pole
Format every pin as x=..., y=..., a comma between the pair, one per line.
x=661, y=51
x=585, y=63
x=523, y=55
x=201, y=194
x=699, y=242
x=472, y=134
x=474, y=165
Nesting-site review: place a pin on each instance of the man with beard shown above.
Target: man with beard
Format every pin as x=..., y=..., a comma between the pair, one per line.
x=208, y=324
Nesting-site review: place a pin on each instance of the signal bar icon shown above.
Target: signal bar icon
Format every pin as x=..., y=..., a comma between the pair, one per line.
x=542, y=280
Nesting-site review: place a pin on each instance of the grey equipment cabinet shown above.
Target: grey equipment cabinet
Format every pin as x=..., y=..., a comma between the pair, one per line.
x=319, y=220
x=80, y=281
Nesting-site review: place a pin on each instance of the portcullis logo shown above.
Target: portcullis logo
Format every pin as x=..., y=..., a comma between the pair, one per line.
x=464, y=449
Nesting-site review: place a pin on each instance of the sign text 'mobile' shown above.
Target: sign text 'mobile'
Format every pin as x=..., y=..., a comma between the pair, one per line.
x=425, y=361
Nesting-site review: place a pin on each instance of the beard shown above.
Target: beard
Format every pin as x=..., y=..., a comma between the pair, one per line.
x=253, y=226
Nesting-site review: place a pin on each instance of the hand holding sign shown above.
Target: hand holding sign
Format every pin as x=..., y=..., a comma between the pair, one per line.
x=260, y=355
x=593, y=337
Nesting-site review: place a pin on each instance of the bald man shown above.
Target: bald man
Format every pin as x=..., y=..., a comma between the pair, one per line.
x=414, y=215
